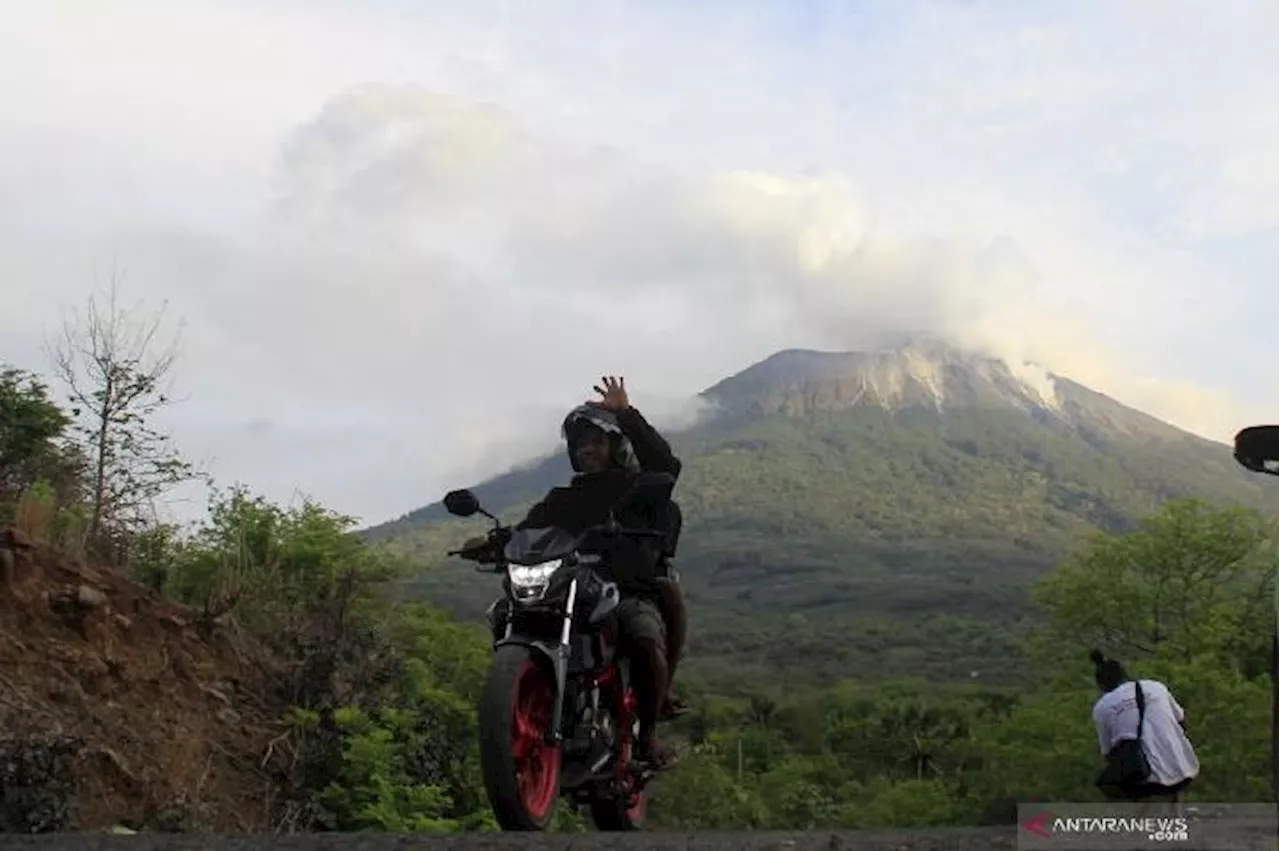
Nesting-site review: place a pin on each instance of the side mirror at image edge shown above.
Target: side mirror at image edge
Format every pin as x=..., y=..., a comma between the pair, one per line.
x=1256, y=448
x=461, y=503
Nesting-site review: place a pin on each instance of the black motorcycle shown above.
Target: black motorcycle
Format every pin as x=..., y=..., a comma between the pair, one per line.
x=558, y=712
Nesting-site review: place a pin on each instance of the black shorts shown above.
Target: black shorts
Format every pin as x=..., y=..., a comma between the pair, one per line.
x=638, y=619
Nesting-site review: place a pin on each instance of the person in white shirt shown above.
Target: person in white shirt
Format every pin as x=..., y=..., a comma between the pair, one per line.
x=1164, y=741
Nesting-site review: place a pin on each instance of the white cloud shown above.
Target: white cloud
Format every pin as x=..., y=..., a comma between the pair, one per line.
x=408, y=237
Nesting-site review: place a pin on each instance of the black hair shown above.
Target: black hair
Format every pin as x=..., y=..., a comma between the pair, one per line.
x=1107, y=672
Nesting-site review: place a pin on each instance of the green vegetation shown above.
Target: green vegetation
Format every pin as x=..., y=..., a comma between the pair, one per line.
x=890, y=551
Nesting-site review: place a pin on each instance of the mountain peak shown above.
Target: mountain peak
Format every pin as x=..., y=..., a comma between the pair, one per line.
x=922, y=371
x=802, y=496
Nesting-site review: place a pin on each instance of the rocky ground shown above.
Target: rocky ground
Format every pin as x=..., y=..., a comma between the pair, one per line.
x=119, y=707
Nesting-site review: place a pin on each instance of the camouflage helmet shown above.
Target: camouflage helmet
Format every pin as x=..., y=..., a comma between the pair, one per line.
x=585, y=417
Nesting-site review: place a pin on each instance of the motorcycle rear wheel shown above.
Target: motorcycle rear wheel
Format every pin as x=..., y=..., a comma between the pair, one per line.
x=521, y=771
x=627, y=812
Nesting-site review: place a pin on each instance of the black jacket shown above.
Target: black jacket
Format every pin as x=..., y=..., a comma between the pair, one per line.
x=586, y=501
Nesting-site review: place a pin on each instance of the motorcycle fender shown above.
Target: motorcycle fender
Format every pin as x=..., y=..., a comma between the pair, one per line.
x=546, y=649
x=550, y=654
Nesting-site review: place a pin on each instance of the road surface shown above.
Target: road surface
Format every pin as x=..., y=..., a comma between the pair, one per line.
x=1250, y=838
x=949, y=839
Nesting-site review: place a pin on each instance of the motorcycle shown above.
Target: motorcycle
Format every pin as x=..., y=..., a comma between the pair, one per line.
x=557, y=713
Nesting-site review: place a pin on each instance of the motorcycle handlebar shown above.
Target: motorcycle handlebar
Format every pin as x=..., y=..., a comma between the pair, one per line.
x=614, y=531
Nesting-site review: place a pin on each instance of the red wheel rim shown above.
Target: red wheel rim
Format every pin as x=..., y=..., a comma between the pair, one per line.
x=537, y=764
x=635, y=813
x=638, y=800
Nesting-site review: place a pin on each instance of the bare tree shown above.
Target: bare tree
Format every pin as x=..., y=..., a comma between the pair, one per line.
x=117, y=370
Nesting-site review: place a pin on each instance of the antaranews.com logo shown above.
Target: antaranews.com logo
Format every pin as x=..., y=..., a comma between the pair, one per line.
x=1045, y=824
x=1198, y=826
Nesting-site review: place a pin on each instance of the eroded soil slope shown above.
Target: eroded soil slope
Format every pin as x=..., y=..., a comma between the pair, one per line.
x=119, y=707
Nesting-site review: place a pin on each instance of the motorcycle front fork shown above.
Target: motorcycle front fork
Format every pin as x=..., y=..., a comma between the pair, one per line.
x=554, y=735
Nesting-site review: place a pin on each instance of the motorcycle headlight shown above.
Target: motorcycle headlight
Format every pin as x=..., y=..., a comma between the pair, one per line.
x=528, y=581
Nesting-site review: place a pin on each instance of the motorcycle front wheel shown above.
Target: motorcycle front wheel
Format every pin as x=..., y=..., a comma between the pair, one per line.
x=521, y=771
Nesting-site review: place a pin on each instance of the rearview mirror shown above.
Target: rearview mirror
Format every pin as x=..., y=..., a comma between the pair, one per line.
x=461, y=503
x=1256, y=448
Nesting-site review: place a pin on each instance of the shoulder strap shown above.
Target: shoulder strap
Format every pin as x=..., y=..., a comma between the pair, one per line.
x=1142, y=706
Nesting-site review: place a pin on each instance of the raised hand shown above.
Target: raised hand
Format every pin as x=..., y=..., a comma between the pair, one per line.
x=613, y=394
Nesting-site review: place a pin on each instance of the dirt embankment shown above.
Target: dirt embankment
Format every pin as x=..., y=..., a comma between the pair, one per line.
x=119, y=707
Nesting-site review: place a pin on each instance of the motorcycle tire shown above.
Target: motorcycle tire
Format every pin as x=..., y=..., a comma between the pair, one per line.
x=622, y=814
x=521, y=772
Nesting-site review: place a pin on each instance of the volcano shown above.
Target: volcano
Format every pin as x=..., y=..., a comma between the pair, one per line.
x=878, y=510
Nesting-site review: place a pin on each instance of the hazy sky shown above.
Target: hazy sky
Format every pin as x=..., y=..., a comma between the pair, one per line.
x=405, y=236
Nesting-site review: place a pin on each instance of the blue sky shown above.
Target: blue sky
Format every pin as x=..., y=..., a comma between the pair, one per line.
x=333, y=194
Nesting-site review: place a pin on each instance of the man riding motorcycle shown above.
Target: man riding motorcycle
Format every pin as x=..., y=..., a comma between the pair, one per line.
x=609, y=442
